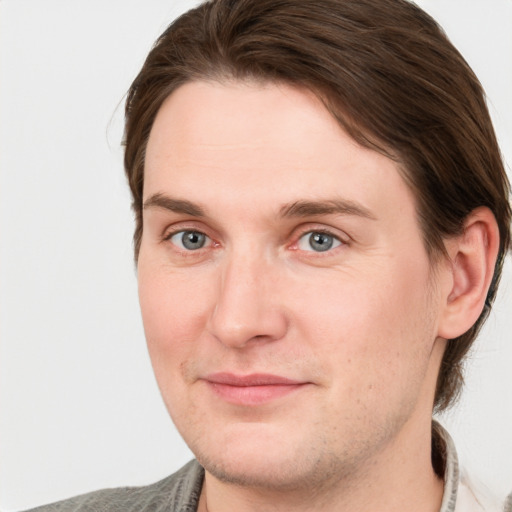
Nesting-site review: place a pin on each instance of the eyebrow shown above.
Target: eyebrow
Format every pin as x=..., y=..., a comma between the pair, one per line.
x=174, y=205
x=327, y=207
x=301, y=208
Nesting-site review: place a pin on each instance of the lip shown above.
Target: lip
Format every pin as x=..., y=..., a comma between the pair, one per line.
x=253, y=389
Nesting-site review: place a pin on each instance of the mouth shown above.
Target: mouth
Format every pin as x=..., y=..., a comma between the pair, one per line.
x=253, y=389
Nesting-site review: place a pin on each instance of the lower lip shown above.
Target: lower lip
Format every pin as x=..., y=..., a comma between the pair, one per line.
x=253, y=395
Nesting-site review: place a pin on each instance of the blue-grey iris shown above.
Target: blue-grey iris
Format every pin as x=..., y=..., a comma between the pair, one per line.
x=321, y=241
x=193, y=240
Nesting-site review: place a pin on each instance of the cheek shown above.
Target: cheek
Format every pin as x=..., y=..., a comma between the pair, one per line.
x=175, y=307
x=400, y=335
x=378, y=328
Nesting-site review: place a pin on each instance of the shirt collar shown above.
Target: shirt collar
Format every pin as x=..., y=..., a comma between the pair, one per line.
x=443, y=443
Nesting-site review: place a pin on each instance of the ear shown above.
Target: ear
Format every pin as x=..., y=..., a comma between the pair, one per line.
x=472, y=257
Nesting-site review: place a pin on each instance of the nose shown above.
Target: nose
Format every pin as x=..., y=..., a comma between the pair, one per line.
x=248, y=306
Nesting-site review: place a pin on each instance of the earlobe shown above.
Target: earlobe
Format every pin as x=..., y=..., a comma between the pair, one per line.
x=472, y=259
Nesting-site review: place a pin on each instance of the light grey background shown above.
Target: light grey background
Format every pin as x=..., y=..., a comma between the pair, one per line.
x=79, y=407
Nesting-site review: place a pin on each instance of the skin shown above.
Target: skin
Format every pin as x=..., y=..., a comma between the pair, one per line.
x=359, y=328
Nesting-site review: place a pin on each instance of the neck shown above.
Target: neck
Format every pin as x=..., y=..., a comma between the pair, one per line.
x=401, y=477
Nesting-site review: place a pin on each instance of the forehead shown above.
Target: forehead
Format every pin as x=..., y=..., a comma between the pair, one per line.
x=262, y=145
x=237, y=116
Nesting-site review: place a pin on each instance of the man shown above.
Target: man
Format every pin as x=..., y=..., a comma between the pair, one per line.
x=321, y=219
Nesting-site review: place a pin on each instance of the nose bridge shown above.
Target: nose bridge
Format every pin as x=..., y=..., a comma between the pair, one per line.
x=247, y=306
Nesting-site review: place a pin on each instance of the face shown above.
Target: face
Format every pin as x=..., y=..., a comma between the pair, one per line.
x=287, y=298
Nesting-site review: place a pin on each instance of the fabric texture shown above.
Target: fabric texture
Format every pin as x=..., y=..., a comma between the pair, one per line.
x=459, y=495
x=180, y=492
x=176, y=493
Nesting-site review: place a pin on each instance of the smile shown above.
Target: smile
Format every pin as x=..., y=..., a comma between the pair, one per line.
x=254, y=389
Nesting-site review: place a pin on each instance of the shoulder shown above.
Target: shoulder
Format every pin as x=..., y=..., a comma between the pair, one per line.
x=508, y=504
x=178, y=492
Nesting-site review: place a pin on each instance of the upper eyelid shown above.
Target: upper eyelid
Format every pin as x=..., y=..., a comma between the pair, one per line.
x=327, y=231
x=339, y=234
x=295, y=234
x=322, y=231
x=182, y=226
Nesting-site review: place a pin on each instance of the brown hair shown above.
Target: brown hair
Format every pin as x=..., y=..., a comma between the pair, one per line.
x=386, y=72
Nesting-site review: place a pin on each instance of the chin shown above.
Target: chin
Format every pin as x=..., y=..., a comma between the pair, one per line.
x=259, y=472
x=264, y=460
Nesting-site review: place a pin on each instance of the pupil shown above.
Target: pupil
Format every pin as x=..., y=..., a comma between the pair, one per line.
x=193, y=240
x=320, y=241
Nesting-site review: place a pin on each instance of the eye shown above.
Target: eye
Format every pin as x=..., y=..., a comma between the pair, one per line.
x=318, y=241
x=189, y=240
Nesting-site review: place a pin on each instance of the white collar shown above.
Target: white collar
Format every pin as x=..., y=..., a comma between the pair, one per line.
x=459, y=495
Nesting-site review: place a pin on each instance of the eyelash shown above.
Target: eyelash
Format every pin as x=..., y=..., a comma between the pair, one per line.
x=338, y=241
x=189, y=252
